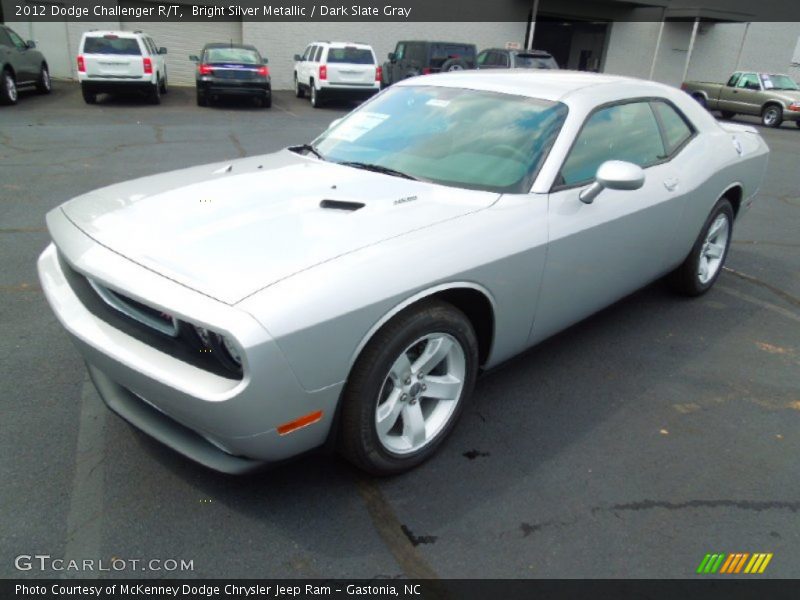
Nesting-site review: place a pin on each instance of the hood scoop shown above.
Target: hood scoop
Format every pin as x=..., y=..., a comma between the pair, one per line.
x=341, y=205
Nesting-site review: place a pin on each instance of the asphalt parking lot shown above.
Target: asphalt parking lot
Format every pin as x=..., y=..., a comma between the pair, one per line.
x=630, y=445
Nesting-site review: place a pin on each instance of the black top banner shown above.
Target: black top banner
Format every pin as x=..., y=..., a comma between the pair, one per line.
x=397, y=10
x=734, y=588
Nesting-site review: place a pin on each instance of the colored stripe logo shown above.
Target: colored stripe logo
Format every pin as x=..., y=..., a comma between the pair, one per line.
x=733, y=563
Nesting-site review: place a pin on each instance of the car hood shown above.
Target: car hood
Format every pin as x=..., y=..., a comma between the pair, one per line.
x=230, y=229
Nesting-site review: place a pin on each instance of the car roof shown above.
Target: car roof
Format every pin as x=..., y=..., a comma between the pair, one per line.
x=546, y=84
x=359, y=45
x=534, y=52
x=429, y=42
x=122, y=34
x=229, y=45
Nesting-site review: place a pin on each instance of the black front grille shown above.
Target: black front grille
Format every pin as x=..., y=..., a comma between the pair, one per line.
x=178, y=347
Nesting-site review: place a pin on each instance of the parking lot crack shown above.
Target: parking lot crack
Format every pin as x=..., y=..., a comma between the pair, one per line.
x=767, y=286
x=752, y=505
x=238, y=145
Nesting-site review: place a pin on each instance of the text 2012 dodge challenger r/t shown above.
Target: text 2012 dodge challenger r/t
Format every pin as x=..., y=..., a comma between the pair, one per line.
x=244, y=312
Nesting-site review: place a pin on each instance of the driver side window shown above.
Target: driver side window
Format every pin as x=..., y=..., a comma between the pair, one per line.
x=17, y=41
x=749, y=81
x=400, y=52
x=626, y=132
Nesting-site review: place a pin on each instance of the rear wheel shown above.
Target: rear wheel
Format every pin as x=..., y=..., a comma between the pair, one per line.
x=726, y=114
x=454, y=64
x=299, y=92
x=8, y=88
x=316, y=100
x=155, y=93
x=164, y=88
x=88, y=96
x=772, y=115
x=408, y=388
x=704, y=264
x=43, y=84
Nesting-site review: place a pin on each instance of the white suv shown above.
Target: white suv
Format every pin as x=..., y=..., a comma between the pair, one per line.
x=336, y=69
x=120, y=61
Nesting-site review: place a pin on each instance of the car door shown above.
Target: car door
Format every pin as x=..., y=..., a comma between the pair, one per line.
x=728, y=95
x=746, y=95
x=24, y=60
x=599, y=252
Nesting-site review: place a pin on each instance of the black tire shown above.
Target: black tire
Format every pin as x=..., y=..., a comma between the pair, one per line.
x=772, y=115
x=266, y=101
x=201, y=99
x=726, y=114
x=316, y=96
x=797, y=123
x=454, y=64
x=88, y=97
x=155, y=93
x=8, y=88
x=43, y=84
x=701, y=100
x=164, y=87
x=299, y=92
x=358, y=439
x=686, y=278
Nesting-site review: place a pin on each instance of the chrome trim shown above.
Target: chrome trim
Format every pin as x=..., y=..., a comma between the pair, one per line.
x=118, y=303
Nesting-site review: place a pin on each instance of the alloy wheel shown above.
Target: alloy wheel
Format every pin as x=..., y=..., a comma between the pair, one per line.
x=420, y=393
x=713, y=251
x=11, y=88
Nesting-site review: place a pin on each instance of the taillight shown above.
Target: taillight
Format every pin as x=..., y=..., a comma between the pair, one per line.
x=148, y=66
x=263, y=71
x=323, y=72
x=204, y=69
x=426, y=70
x=378, y=73
x=81, y=65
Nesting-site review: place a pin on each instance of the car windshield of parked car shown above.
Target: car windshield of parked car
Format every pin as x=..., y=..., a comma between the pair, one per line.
x=778, y=82
x=464, y=138
x=351, y=55
x=241, y=56
x=111, y=44
x=531, y=61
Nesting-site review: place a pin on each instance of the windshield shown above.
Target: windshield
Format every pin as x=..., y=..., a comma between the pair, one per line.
x=463, y=138
x=350, y=54
x=111, y=44
x=778, y=82
x=241, y=56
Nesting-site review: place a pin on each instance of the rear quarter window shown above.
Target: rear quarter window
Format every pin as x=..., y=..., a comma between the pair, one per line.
x=111, y=45
x=356, y=56
x=676, y=129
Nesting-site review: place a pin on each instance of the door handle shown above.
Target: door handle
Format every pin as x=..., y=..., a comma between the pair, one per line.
x=671, y=183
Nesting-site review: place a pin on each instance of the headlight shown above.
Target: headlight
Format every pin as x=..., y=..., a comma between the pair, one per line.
x=220, y=347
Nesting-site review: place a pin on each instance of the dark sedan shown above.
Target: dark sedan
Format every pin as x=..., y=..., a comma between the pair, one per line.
x=232, y=70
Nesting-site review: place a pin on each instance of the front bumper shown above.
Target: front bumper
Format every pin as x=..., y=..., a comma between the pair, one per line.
x=791, y=115
x=225, y=424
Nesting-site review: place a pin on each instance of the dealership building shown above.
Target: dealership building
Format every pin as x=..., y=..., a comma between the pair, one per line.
x=665, y=40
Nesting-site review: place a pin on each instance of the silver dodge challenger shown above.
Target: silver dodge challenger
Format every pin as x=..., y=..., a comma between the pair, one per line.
x=346, y=292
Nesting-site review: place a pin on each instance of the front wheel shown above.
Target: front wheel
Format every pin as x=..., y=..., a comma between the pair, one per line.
x=772, y=116
x=704, y=264
x=408, y=388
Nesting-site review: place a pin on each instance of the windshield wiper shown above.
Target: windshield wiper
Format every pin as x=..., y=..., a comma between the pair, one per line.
x=378, y=169
x=309, y=148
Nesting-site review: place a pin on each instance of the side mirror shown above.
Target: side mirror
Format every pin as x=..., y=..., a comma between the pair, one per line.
x=266, y=60
x=335, y=122
x=162, y=50
x=298, y=58
x=194, y=58
x=30, y=44
x=613, y=175
x=392, y=56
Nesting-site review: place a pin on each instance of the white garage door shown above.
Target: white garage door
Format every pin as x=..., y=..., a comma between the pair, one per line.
x=183, y=39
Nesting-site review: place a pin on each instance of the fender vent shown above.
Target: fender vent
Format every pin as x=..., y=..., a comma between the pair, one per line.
x=341, y=205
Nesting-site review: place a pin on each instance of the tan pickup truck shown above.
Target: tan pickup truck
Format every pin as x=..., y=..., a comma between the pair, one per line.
x=772, y=96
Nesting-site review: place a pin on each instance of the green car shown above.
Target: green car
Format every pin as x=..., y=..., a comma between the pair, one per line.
x=21, y=65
